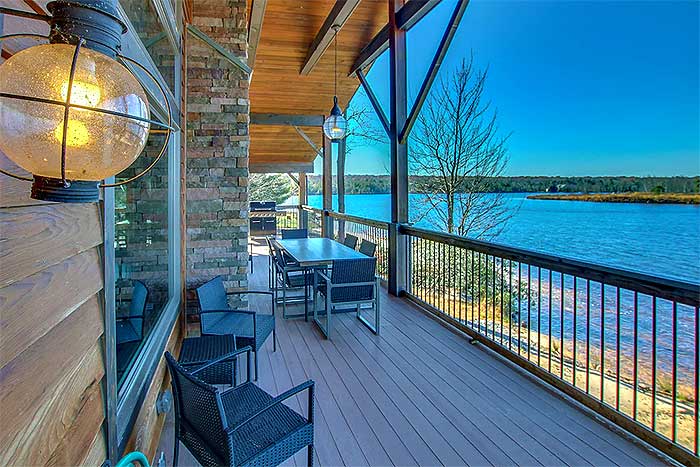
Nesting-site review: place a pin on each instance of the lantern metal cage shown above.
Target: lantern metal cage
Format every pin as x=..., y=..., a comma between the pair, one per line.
x=94, y=25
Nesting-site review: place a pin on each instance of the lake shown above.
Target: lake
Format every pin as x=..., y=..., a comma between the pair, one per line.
x=661, y=240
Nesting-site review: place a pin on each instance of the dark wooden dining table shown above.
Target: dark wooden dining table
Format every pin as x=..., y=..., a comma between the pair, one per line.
x=314, y=253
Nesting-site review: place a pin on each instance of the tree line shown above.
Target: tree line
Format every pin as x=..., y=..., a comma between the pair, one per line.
x=374, y=184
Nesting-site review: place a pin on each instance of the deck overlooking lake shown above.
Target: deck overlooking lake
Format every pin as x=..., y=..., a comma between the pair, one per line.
x=419, y=394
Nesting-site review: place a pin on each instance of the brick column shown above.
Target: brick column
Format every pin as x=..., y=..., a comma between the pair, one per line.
x=217, y=149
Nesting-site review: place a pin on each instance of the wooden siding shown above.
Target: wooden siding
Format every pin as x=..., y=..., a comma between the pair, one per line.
x=51, y=324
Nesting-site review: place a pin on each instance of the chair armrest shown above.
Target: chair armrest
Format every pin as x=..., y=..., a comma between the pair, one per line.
x=322, y=274
x=247, y=349
x=308, y=385
x=258, y=292
x=246, y=312
x=241, y=292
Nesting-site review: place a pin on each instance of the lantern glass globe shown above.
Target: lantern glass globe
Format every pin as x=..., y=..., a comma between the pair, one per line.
x=335, y=127
x=98, y=145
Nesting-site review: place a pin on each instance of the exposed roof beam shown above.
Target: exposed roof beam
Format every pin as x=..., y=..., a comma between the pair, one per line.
x=406, y=17
x=282, y=119
x=434, y=67
x=257, y=14
x=309, y=141
x=340, y=13
x=281, y=167
x=374, y=101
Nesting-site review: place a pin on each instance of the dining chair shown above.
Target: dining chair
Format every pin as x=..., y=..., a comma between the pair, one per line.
x=368, y=248
x=288, y=276
x=350, y=241
x=241, y=426
x=248, y=327
x=351, y=283
x=294, y=233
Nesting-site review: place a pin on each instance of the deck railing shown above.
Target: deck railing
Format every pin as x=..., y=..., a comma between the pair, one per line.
x=290, y=219
x=624, y=344
x=373, y=231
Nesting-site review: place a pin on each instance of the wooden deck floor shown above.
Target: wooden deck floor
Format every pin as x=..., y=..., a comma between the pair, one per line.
x=422, y=395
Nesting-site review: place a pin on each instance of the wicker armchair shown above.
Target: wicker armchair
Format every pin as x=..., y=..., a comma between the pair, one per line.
x=368, y=248
x=352, y=283
x=249, y=327
x=350, y=241
x=287, y=276
x=294, y=233
x=242, y=426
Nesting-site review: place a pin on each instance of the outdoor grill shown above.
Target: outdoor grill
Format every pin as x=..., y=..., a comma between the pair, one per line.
x=263, y=220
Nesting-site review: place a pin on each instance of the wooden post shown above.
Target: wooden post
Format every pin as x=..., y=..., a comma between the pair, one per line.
x=326, y=221
x=399, y=152
x=303, y=200
x=340, y=175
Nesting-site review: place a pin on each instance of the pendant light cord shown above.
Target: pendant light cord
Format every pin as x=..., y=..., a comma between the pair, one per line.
x=335, y=69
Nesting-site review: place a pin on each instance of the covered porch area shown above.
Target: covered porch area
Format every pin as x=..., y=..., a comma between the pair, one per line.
x=421, y=394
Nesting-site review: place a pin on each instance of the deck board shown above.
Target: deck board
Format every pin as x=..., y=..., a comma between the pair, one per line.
x=419, y=394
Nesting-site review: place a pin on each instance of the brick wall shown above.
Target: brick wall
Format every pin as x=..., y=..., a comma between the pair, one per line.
x=217, y=149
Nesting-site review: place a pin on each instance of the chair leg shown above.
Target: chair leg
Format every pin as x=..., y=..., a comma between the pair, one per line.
x=176, y=451
x=256, y=365
x=274, y=340
x=310, y=458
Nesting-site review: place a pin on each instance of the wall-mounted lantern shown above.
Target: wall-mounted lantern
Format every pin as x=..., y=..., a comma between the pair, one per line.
x=71, y=113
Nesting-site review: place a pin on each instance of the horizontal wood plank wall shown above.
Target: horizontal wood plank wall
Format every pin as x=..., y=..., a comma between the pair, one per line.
x=51, y=324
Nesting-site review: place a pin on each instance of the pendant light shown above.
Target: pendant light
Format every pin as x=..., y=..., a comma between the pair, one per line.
x=335, y=126
x=71, y=113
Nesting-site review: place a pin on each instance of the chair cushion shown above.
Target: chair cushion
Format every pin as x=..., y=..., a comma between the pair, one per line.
x=265, y=430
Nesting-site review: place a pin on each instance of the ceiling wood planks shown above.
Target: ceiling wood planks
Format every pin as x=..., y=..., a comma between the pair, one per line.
x=338, y=16
x=277, y=87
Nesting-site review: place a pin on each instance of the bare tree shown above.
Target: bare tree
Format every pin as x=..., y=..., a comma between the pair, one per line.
x=457, y=145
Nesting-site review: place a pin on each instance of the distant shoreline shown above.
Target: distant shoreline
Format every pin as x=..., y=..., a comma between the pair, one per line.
x=636, y=197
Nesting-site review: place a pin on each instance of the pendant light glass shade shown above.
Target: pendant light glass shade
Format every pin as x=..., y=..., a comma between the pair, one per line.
x=335, y=126
x=98, y=145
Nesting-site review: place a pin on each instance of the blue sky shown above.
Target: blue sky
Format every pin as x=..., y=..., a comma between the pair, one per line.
x=586, y=88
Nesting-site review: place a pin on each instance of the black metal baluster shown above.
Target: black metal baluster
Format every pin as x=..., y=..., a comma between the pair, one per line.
x=550, y=336
x=696, y=441
x=617, y=354
x=588, y=335
x=575, y=329
x=502, y=279
x=602, y=342
x=561, y=326
x=539, y=314
x=635, y=344
x=520, y=318
x=529, y=310
x=674, y=373
x=653, y=363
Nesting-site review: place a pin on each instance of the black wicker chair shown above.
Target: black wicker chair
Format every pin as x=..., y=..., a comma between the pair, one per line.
x=242, y=426
x=368, y=248
x=130, y=327
x=294, y=233
x=287, y=276
x=352, y=283
x=350, y=241
x=249, y=327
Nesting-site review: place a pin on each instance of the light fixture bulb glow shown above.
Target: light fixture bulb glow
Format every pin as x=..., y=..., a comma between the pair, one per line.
x=82, y=93
x=78, y=134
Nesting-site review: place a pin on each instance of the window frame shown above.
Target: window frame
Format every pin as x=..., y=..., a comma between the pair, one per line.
x=123, y=404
